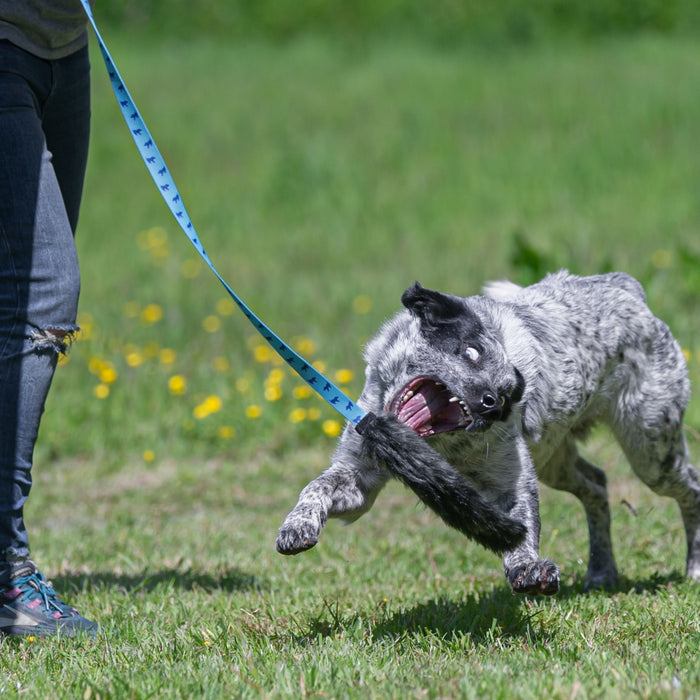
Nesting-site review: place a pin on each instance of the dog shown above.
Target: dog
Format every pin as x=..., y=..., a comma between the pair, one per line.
x=472, y=400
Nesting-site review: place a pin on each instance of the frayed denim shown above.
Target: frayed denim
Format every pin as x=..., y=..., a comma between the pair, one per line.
x=44, y=134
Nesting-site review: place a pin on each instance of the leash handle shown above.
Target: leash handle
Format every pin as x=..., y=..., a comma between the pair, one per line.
x=156, y=166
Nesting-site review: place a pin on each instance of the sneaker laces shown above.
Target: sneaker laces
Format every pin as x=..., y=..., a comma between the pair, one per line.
x=34, y=587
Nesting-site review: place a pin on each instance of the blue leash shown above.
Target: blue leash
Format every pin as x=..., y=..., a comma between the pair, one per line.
x=166, y=186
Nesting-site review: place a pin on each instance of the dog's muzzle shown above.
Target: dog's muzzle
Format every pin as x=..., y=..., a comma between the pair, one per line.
x=428, y=407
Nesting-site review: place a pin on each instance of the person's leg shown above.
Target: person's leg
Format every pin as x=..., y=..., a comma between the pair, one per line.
x=39, y=276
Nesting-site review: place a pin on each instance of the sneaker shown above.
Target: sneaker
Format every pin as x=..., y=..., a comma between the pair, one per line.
x=29, y=607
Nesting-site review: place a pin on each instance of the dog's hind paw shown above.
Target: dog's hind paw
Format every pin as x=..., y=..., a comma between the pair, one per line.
x=299, y=533
x=539, y=577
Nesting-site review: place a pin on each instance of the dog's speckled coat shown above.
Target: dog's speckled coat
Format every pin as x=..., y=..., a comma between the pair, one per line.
x=531, y=370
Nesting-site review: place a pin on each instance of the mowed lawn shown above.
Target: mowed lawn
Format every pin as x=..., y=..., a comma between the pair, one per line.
x=323, y=180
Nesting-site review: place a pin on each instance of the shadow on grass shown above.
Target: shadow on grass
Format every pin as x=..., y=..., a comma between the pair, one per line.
x=147, y=581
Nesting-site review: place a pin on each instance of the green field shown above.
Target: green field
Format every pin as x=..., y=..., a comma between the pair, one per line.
x=323, y=179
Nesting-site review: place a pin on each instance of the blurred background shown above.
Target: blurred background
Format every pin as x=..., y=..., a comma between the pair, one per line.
x=331, y=153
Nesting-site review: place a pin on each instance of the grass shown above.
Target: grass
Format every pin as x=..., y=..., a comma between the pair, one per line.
x=323, y=180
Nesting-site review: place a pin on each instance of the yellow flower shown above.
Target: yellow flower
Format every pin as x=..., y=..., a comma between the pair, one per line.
x=191, y=268
x=95, y=365
x=320, y=365
x=132, y=309
x=152, y=349
x=263, y=353
x=101, y=391
x=344, y=376
x=253, y=411
x=148, y=455
x=304, y=346
x=221, y=364
x=331, y=428
x=275, y=377
x=134, y=358
x=225, y=306
x=177, y=385
x=303, y=391
x=167, y=356
x=314, y=413
x=211, y=324
x=212, y=404
x=362, y=304
x=688, y=355
x=107, y=374
x=152, y=313
x=226, y=432
x=661, y=259
x=273, y=392
x=242, y=385
x=298, y=415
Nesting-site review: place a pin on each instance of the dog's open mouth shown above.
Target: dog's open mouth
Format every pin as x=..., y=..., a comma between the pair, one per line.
x=429, y=408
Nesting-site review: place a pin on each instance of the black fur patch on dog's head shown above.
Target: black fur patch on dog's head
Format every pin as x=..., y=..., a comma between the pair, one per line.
x=446, y=321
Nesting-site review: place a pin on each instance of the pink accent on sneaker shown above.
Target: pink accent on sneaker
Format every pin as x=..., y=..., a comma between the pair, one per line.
x=33, y=604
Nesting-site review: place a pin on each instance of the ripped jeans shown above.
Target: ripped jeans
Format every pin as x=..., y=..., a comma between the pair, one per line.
x=44, y=134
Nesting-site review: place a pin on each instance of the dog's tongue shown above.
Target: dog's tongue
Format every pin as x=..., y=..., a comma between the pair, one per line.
x=429, y=409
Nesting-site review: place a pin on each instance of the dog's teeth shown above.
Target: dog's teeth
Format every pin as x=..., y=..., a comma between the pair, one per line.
x=408, y=395
x=454, y=399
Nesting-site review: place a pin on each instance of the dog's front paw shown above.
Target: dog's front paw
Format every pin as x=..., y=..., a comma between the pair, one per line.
x=539, y=577
x=300, y=531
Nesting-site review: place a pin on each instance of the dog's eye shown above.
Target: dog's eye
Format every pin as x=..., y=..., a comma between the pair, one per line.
x=472, y=353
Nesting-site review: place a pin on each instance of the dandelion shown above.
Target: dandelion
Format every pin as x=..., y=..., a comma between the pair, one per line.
x=152, y=238
x=242, y=385
x=101, y=391
x=688, y=355
x=273, y=392
x=191, y=268
x=298, y=415
x=87, y=325
x=148, y=455
x=362, y=304
x=211, y=324
x=661, y=259
x=226, y=432
x=275, y=377
x=134, y=358
x=225, y=306
x=304, y=346
x=253, y=411
x=211, y=404
x=262, y=354
x=152, y=349
x=303, y=391
x=152, y=313
x=177, y=385
x=331, y=428
x=344, y=376
x=167, y=356
x=314, y=414
x=95, y=365
x=63, y=359
x=320, y=365
x=107, y=374
x=221, y=364
x=132, y=309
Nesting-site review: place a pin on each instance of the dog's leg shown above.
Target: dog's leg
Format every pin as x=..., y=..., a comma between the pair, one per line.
x=525, y=570
x=567, y=471
x=663, y=465
x=346, y=489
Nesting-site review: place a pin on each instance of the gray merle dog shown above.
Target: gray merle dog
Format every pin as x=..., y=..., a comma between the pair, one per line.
x=473, y=399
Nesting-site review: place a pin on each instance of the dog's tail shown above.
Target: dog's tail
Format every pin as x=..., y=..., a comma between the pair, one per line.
x=500, y=290
x=441, y=487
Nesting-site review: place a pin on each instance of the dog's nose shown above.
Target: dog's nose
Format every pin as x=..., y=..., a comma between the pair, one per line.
x=490, y=405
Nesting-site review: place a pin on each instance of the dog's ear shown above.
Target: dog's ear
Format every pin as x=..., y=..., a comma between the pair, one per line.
x=519, y=389
x=433, y=308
